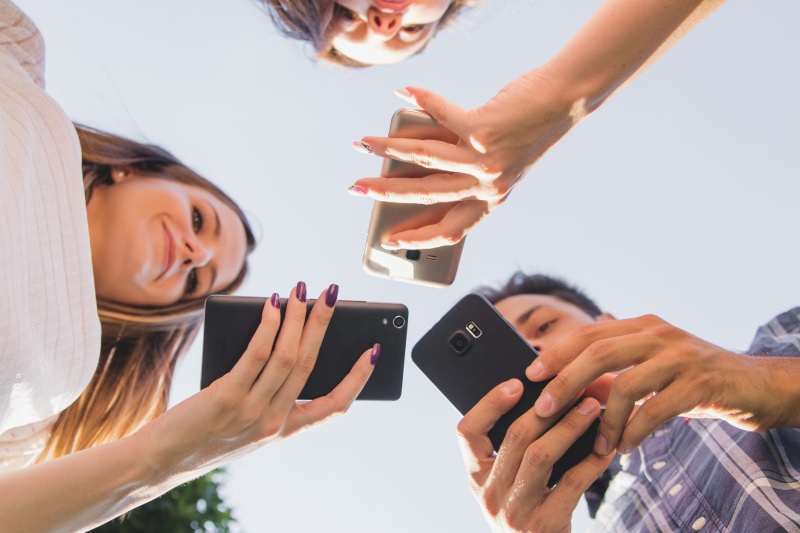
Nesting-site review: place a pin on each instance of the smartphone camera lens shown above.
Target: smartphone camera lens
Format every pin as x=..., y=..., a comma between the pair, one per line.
x=459, y=342
x=412, y=255
x=399, y=322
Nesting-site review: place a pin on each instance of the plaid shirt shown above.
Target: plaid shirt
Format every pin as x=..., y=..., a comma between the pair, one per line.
x=706, y=475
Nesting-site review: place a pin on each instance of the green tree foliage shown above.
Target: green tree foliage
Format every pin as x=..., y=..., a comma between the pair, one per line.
x=191, y=508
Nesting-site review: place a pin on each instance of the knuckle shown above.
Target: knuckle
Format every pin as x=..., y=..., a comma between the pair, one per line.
x=624, y=386
x=306, y=363
x=602, y=349
x=571, y=480
x=260, y=354
x=285, y=359
x=537, y=455
x=569, y=423
x=516, y=432
x=422, y=157
x=322, y=319
x=490, y=502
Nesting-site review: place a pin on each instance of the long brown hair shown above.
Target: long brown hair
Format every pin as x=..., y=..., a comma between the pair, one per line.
x=314, y=21
x=140, y=346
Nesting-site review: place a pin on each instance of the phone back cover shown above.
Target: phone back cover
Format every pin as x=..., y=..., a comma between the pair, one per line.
x=499, y=354
x=231, y=322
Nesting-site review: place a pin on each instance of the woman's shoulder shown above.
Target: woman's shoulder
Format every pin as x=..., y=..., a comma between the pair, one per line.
x=21, y=43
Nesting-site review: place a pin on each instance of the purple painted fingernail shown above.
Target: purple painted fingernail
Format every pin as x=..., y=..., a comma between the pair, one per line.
x=331, y=295
x=361, y=146
x=275, y=300
x=376, y=353
x=300, y=293
x=357, y=190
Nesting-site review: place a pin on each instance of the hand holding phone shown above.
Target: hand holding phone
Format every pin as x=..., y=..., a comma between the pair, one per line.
x=429, y=266
x=231, y=321
x=470, y=351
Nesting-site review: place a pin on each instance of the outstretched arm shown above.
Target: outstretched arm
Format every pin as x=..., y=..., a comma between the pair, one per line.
x=252, y=405
x=503, y=139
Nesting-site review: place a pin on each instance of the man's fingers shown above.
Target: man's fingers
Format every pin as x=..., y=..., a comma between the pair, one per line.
x=246, y=371
x=434, y=188
x=446, y=113
x=338, y=401
x=455, y=225
x=473, y=429
x=540, y=456
x=603, y=356
x=577, y=480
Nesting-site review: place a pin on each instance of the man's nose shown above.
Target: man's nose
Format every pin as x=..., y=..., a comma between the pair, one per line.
x=384, y=24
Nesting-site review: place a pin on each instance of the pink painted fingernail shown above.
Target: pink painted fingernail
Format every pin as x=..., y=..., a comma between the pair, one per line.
x=275, y=300
x=544, y=404
x=357, y=190
x=601, y=444
x=361, y=146
x=376, y=353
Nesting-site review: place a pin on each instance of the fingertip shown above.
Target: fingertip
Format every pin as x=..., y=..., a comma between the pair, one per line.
x=589, y=406
x=535, y=372
x=512, y=387
x=405, y=94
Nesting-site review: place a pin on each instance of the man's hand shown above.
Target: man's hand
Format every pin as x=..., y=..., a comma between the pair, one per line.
x=663, y=372
x=511, y=487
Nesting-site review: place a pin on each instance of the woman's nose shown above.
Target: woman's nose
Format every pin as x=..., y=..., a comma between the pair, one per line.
x=384, y=24
x=195, y=254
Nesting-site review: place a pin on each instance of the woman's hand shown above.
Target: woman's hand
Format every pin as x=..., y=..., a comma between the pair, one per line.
x=512, y=486
x=255, y=403
x=499, y=142
x=664, y=372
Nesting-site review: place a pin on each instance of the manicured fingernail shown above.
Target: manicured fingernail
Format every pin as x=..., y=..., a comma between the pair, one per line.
x=390, y=245
x=331, y=295
x=585, y=407
x=601, y=444
x=300, y=293
x=376, y=353
x=362, y=147
x=357, y=190
x=512, y=387
x=536, y=370
x=544, y=404
x=275, y=300
x=404, y=94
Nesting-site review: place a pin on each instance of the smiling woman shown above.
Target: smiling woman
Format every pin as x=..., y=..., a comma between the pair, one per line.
x=361, y=33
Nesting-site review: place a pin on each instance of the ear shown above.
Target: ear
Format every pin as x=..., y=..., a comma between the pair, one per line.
x=120, y=174
x=604, y=317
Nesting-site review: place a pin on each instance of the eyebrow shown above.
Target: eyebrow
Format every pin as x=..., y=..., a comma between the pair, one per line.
x=521, y=319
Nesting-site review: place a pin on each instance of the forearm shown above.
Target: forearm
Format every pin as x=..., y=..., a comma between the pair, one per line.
x=781, y=384
x=620, y=40
x=81, y=490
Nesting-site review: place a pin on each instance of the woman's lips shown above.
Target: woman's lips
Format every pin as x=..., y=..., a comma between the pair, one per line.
x=392, y=6
x=169, y=253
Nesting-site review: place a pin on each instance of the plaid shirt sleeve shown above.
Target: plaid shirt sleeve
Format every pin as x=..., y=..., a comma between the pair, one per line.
x=706, y=475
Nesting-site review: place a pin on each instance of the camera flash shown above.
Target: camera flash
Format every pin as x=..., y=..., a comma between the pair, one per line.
x=474, y=330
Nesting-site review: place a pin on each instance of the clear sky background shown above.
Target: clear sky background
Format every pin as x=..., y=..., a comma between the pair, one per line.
x=678, y=198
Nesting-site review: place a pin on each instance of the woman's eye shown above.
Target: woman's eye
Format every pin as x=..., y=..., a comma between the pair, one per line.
x=341, y=12
x=197, y=220
x=191, y=282
x=416, y=28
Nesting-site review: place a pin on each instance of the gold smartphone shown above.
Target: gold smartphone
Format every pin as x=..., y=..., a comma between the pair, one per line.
x=432, y=266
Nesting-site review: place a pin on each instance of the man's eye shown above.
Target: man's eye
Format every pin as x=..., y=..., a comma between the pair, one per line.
x=197, y=220
x=544, y=327
x=191, y=282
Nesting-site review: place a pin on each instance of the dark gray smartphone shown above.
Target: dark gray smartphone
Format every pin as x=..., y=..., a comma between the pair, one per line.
x=432, y=266
x=231, y=321
x=471, y=350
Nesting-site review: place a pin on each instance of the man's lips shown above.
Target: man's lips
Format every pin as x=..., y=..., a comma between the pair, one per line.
x=169, y=253
x=392, y=6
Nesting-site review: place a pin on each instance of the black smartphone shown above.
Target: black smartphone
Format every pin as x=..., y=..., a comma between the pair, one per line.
x=471, y=350
x=435, y=267
x=231, y=321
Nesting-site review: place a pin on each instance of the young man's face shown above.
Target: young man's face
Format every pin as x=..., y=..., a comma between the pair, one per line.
x=544, y=320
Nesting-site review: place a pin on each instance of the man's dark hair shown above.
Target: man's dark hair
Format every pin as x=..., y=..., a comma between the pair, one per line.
x=521, y=283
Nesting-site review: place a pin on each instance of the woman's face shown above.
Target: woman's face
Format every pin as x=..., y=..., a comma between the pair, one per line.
x=386, y=31
x=156, y=242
